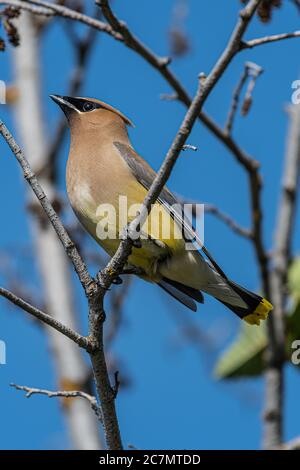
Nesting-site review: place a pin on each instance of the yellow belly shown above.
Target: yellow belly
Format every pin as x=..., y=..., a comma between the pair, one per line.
x=105, y=222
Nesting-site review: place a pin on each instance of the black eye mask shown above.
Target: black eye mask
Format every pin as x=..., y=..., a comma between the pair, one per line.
x=82, y=105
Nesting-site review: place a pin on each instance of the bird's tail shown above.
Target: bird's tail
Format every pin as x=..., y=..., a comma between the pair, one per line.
x=255, y=307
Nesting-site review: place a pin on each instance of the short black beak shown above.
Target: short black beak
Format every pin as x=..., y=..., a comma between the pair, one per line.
x=64, y=103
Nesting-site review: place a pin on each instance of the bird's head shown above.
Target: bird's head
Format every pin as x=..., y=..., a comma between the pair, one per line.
x=89, y=111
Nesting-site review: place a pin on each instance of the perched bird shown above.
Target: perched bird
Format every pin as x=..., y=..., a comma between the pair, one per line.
x=104, y=169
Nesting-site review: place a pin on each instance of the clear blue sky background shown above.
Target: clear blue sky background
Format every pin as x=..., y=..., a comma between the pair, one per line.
x=174, y=402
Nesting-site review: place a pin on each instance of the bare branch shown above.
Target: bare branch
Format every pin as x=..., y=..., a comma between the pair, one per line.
x=48, y=8
x=94, y=293
x=251, y=70
x=294, y=444
x=267, y=39
x=235, y=227
x=206, y=84
x=158, y=63
x=82, y=341
x=189, y=147
x=35, y=9
x=78, y=263
x=63, y=394
x=232, y=48
x=254, y=71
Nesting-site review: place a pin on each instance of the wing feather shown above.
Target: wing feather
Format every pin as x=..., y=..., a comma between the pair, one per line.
x=145, y=175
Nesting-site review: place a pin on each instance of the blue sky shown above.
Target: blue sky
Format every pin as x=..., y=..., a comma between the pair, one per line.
x=173, y=402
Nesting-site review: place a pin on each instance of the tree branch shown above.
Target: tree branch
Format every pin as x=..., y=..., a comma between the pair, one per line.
x=294, y=444
x=232, y=48
x=250, y=70
x=158, y=63
x=35, y=9
x=47, y=8
x=63, y=394
x=235, y=100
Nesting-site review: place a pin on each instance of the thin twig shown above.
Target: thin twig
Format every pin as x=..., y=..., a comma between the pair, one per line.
x=250, y=70
x=254, y=71
x=60, y=10
x=294, y=444
x=63, y=394
x=82, y=341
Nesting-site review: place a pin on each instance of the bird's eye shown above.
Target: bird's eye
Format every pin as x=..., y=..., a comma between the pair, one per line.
x=88, y=106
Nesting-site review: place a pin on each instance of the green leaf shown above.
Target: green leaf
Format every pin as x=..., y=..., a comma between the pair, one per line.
x=244, y=357
x=294, y=279
x=293, y=319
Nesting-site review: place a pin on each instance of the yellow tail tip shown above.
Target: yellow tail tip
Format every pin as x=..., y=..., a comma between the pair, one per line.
x=260, y=313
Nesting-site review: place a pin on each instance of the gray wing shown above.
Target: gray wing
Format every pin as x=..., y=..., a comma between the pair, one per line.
x=145, y=175
x=143, y=172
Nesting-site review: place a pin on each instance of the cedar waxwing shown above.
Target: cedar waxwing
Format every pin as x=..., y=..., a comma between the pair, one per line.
x=102, y=168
